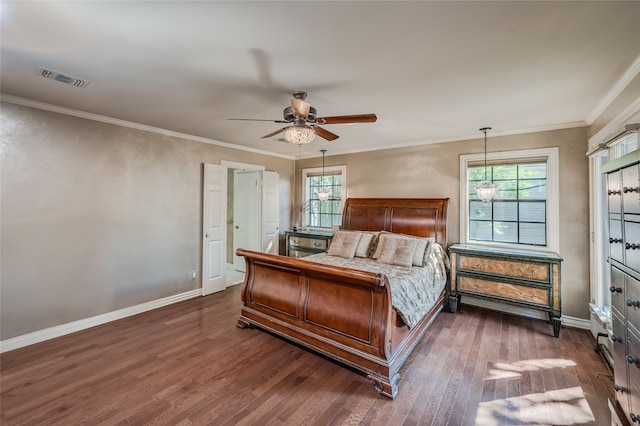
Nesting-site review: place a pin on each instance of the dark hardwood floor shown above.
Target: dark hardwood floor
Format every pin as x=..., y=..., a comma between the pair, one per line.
x=189, y=364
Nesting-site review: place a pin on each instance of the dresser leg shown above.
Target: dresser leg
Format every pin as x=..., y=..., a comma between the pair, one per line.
x=556, y=323
x=454, y=300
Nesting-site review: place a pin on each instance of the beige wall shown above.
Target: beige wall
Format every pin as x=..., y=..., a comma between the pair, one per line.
x=434, y=171
x=98, y=217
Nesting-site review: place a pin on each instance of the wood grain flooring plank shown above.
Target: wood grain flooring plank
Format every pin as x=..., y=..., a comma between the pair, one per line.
x=188, y=364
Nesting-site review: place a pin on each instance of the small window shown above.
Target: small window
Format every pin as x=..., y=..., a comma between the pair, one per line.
x=323, y=214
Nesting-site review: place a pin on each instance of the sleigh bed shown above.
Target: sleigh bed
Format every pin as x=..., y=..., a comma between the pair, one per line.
x=341, y=312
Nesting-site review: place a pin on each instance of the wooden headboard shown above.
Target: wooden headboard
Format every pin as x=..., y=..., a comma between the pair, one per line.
x=423, y=217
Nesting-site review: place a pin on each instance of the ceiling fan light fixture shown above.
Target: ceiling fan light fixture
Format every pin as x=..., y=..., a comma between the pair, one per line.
x=299, y=134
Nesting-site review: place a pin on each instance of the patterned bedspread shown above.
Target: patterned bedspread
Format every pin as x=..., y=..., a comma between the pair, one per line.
x=414, y=290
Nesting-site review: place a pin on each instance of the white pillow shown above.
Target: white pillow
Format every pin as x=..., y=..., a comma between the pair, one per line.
x=367, y=241
x=420, y=251
x=344, y=244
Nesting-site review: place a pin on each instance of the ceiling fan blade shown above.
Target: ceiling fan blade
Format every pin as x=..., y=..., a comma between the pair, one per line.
x=257, y=119
x=325, y=134
x=300, y=107
x=348, y=119
x=274, y=133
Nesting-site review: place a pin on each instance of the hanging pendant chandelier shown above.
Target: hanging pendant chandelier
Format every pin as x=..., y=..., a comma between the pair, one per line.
x=323, y=193
x=486, y=190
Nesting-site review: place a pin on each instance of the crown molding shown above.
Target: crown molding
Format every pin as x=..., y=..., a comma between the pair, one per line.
x=613, y=93
x=115, y=121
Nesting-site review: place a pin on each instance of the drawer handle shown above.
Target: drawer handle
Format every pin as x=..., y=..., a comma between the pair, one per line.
x=633, y=360
x=634, y=418
x=295, y=241
x=317, y=243
x=631, y=246
x=633, y=303
x=626, y=189
x=618, y=388
x=614, y=289
x=616, y=338
x=613, y=192
x=615, y=240
x=525, y=272
x=474, y=286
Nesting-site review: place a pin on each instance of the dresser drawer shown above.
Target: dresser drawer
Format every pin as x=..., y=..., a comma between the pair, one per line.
x=314, y=243
x=539, y=296
x=508, y=268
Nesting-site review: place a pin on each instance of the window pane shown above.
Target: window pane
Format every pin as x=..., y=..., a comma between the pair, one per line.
x=533, y=233
x=480, y=211
x=507, y=190
x=508, y=172
x=533, y=190
x=480, y=231
x=533, y=212
x=476, y=173
x=506, y=232
x=505, y=211
x=532, y=171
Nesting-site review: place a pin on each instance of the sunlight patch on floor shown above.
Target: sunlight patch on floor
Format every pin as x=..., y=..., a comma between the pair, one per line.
x=559, y=407
x=507, y=370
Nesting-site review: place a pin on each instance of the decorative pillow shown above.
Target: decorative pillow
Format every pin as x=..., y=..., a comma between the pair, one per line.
x=397, y=251
x=344, y=244
x=421, y=249
x=366, y=244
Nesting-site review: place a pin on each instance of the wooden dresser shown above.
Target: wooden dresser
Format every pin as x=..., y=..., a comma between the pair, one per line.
x=623, y=191
x=304, y=243
x=518, y=277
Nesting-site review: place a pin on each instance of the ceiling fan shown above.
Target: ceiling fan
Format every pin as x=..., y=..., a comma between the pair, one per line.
x=305, y=124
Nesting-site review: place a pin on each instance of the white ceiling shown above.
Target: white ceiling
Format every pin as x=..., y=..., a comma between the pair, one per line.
x=431, y=71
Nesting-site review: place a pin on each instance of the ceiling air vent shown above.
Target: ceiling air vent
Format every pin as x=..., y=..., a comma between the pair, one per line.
x=63, y=78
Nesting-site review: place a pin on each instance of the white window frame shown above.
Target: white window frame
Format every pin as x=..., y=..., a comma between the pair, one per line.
x=553, y=198
x=328, y=170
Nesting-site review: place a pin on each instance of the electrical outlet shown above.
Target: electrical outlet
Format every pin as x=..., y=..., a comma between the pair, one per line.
x=194, y=275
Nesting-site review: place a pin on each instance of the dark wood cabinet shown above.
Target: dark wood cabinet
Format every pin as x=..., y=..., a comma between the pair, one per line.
x=623, y=193
x=517, y=277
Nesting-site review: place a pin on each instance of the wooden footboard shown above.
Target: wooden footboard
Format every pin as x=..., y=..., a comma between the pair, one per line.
x=342, y=313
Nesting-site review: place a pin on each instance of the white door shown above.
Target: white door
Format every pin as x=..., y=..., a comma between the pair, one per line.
x=214, y=227
x=270, y=210
x=247, y=208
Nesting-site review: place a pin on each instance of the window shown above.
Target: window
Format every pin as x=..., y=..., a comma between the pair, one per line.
x=524, y=212
x=518, y=211
x=323, y=214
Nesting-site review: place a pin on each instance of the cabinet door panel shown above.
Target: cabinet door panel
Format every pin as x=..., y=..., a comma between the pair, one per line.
x=614, y=190
x=632, y=244
x=630, y=194
x=632, y=300
x=620, y=362
x=618, y=293
x=616, y=250
x=633, y=371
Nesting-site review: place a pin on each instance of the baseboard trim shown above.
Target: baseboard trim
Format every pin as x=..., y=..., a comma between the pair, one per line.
x=71, y=327
x=525, y=312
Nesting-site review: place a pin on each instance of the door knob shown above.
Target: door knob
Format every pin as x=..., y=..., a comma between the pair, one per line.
x=237, y=227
